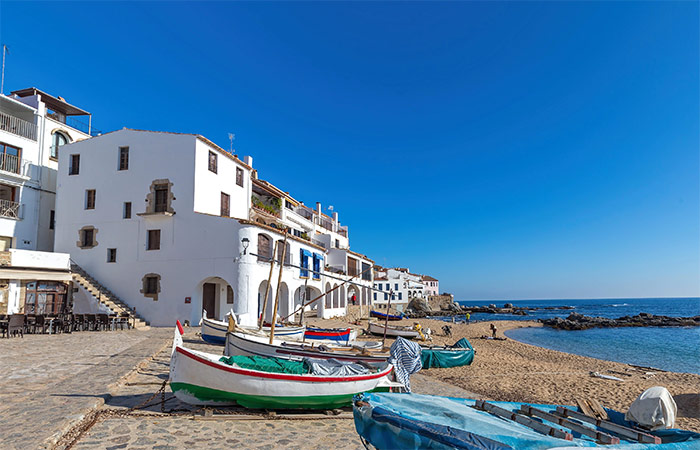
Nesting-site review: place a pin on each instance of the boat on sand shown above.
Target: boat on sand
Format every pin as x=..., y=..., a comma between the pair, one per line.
x=214, y=331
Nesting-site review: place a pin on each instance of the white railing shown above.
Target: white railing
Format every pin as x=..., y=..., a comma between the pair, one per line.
x=304, y=212
x=9, y=163
x=9, y=209
x=325, y=223
x=17, y=126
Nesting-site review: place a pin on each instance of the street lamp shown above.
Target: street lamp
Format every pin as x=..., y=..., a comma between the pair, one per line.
x=245, y=242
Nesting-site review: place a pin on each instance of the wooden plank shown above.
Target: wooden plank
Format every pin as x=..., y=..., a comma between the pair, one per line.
x=597, y=409
x=620, y=430
x=583, y=406
x=528, y=422
x=599, y=436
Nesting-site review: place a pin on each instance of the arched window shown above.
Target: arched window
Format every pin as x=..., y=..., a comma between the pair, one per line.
x=264, y=248
x=58, y=139
x=329, y=297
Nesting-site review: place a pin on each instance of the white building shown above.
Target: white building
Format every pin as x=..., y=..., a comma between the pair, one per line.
x=398, y=283
x=33, y=125
x=431, y=286
x=172, y=224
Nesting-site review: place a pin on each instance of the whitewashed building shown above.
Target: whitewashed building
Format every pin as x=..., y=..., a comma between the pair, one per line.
x=397, y=283
x=33, y=127
x=172, y=224
x=431, y=286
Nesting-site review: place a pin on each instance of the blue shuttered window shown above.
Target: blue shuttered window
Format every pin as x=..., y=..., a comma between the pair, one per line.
x=304, y=263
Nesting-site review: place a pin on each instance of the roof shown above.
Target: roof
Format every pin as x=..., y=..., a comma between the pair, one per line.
x=427, y=278
x=56, y=103
x=381, y=279
x=359, y=255
x=281, y=233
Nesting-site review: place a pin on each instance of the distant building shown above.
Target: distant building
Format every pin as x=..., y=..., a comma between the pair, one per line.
x=431, y=285
x=397, y=283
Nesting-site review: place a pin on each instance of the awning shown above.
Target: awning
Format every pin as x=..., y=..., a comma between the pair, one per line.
x=318, y=256
x=6, y=274
x=305, y=252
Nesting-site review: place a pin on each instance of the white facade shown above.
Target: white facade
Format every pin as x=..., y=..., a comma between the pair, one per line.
x=431, y=286
x=398, y=282
x=205, y=257
x=31, y=123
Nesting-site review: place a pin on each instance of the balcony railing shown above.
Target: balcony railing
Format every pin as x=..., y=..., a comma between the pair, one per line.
x=304, y=212
x=17, y=126
x=75, y=123
x=325, y=223
x=9, y=209
x=9, y=163
x=343, y=231
x=317, y=242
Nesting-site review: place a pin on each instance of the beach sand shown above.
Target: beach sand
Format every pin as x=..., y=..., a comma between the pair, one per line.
x=508, y=370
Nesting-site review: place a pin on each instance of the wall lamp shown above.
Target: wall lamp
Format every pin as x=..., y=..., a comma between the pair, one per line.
x=245, y=242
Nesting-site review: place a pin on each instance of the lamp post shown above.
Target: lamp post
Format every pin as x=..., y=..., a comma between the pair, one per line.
x=245, y=242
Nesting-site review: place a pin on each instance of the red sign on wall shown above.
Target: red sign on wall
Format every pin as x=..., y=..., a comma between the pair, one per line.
x=188, y=299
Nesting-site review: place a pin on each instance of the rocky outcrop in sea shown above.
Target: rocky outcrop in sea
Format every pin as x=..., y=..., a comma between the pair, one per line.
x=576, y=321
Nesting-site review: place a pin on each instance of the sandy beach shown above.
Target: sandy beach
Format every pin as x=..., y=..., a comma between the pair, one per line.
x=508, y=370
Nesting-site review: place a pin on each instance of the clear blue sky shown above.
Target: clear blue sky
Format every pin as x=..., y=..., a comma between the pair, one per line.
x=512, y=150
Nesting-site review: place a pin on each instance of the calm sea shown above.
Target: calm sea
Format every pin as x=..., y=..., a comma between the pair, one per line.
x=668, y=348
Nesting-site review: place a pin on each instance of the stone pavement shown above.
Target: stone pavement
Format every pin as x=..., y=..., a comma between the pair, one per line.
x=52, y=382
x=49, y=382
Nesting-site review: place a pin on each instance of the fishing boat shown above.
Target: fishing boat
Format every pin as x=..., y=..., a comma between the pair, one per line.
x=200, y=378
x=408, y=332
x=411, y=421
x=330, y=334
x=214, y=331
x=459, y=354
x=246, y=344
x=381, y=315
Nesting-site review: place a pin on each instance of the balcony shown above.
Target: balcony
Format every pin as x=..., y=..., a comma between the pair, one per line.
x=74, y=123
x=343, y=231
x=17, y=126
x=305, y=212
x=10, y=163
x=325, y=223
x=10, y=209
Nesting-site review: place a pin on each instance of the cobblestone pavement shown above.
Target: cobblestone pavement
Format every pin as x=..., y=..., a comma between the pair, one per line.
x=189, y=429
x=48, y=382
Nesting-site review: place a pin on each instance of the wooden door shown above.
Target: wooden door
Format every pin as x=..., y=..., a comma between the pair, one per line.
x=209, y=299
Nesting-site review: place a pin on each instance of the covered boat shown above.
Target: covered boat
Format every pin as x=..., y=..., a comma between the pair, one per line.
x=408, y=332
x=200, y=378
x=330, y=334
x=411, y=421
x=214, y=331
x=381, y=315
x=246, y=344
x=459, y=354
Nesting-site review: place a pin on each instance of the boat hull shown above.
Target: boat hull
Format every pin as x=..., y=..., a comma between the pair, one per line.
x=214, y=331
x=381, y=315
x=242, y=344
x=378, y=330
x=334, y=334
x=199, y=378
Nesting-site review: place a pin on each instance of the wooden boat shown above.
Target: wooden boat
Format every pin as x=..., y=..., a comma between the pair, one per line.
x=330, y=334
x=459, y=354
x=381, y=315
x=245, y=344
x=200, y=378
x=214, y=331
x=411, y=421
x=409, y=332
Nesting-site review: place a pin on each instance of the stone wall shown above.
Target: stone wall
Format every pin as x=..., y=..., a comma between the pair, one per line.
x=440, y=302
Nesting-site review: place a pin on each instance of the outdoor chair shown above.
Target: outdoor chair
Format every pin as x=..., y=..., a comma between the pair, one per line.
x=78, y=322
x=29, y=321
x=123, y=319
x=16, y=325
x=90, y=322
x=38, y=323
x=3, y=324
x=103, y=321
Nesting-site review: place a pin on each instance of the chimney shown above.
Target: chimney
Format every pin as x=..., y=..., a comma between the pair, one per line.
x=335, y=217
x=318, y=208
x=248, y=160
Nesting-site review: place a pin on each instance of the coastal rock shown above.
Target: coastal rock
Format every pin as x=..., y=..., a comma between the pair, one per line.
x=419, y=305
x=576, y=321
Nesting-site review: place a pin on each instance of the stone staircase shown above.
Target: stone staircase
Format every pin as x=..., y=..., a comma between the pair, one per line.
x=104, y=295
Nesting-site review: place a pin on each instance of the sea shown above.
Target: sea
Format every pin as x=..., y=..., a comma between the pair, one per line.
x=675, y=349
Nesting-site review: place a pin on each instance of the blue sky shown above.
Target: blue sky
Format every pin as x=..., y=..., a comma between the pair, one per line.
x=512, y=150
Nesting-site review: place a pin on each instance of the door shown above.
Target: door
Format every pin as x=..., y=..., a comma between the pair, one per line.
x=209, y=299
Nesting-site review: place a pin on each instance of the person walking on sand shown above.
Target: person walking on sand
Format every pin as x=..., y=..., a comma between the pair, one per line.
x=493, y=330
x=468, y=317
x=353, y=299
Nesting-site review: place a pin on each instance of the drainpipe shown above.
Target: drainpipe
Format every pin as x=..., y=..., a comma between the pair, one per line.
x=40, y=165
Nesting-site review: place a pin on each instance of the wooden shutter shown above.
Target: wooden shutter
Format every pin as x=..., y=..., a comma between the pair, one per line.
x=264, y=248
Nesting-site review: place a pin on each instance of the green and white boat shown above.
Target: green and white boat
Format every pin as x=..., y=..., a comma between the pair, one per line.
x=200, y=378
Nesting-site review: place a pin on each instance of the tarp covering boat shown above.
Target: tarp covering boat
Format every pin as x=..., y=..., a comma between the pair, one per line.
x=411, y=421
x=460, y=354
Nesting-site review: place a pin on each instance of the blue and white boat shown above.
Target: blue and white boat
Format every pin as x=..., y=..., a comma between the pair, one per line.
x=214, y=331
x=411, y=421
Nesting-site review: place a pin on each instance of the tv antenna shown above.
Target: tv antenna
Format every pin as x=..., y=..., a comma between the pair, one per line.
x=231, y=138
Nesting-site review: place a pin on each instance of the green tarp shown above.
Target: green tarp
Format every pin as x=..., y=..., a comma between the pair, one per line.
x=461, y=354
x=265, y=364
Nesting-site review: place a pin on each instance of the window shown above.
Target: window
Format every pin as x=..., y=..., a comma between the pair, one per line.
x=153, y=240
x=90, y=199
x=151, y=285
x=317, y=266
x=87, y=237
x=352, y=267
x=375, y=296
x=57, y=139
x=229, y=295
x=225, y=205
x=10, y=158
x=288, y=205
x=111, y=255
x=386, y=297
x=399, y=295
x=123, y=158
x=74, y=168
x=127, y=210
x=396, y=286
x=366, y=273
x=287, y=253
x=45, y=297
x=388, y=286
x=264, y=248
x=379, y=286
x=161, y=196
x=212, y=161
x=52, y=220
x=337, y=243
x=239, y=176
x=304, y=263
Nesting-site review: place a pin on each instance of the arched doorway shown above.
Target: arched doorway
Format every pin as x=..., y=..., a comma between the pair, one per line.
x=215, y=296
x=336, y=291
x=354, y=290
x=284, y=303
x=270, y=300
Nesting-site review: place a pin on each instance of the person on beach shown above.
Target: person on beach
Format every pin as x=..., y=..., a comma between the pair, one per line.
x=354, y=299
x=468, y=316
x=493, y=330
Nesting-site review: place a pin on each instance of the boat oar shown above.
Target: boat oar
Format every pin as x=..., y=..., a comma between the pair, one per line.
x=267, y=288
x=277, y=294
